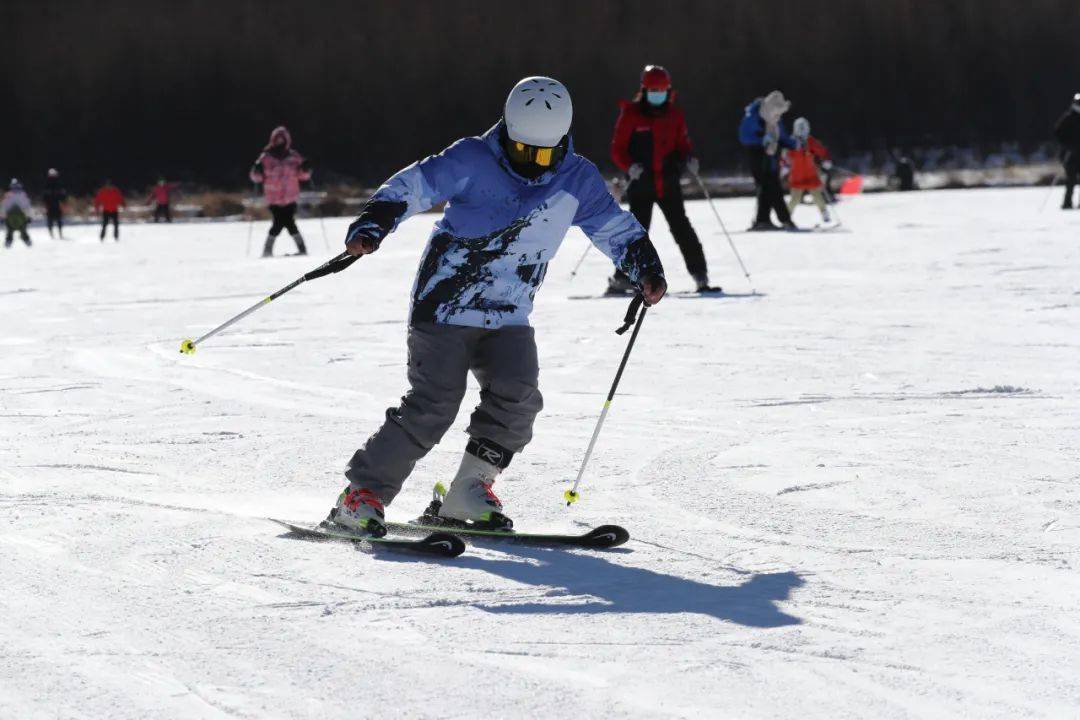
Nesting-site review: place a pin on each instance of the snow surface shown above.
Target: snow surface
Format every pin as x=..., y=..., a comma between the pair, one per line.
x=854, y=495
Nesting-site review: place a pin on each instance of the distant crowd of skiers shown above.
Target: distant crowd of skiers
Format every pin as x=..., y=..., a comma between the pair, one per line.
x=107, y=202
x=651, y=146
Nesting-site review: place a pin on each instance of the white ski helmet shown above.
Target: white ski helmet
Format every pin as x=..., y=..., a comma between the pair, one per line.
x=538, y=112
x=801, y=128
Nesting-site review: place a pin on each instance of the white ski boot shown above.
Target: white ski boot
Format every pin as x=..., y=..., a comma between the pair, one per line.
x=359, y=510
x=470, y=498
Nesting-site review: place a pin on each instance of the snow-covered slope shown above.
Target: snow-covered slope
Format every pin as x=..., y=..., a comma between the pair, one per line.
x=854, y=495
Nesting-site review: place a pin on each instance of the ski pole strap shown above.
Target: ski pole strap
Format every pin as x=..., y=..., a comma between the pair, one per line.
x=631, y=314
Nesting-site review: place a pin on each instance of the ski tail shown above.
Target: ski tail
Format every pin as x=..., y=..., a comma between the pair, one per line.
x=436, y=542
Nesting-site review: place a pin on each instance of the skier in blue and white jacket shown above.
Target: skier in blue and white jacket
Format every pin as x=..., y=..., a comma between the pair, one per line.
x=763, y=135
x=511, y=196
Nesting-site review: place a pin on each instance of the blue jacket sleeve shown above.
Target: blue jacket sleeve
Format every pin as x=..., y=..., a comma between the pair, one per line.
x=786, y=140
x=614, y=231
x=752, y=127
x=417, y=188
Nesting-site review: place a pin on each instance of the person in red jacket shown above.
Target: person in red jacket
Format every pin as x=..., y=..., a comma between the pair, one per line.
x=803, y=176
x=108, y=202
x=161, y=196
x=652, y=146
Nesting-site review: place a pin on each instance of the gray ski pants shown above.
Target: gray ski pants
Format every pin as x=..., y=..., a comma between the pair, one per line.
x=440, y=357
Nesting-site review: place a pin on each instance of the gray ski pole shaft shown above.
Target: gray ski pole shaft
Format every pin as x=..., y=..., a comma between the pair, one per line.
x=731, y=242
x=326, y=240
x=322, y=224
x=1049, y=192
x=251, y=220
x=580, y=260
x=337, y=264
x=572, y=495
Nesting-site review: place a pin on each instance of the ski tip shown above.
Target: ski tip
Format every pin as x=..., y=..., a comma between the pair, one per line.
x=444, y=544
x=291, y=527
x=605, y=536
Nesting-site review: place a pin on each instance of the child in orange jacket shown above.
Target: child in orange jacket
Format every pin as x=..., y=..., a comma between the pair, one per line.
x=803, y=160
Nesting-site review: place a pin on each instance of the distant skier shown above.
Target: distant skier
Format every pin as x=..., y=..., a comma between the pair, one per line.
x=905, y=172
x=281, y=169
x=803, y=160
x=108, y=202
x=54, y=197
x=161, y=196
x=1067, y=132
x=511, y=195
x=762, y=134
x=652, y=146
x=15, y=208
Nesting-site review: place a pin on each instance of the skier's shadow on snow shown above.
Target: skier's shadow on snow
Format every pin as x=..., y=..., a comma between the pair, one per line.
x=617, y=588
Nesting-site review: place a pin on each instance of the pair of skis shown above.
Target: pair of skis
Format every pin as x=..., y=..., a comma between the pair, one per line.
x=448, y=541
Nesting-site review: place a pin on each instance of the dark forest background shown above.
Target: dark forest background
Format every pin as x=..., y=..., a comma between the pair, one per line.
x=191, y=89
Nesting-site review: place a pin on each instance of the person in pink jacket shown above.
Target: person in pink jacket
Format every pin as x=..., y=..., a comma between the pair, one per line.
x=280, y=170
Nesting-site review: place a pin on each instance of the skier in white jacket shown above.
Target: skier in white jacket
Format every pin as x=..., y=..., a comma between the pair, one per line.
x=15, y=207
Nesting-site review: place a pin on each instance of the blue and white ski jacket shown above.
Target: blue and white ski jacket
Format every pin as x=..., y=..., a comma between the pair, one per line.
x=752, y=131
x=488, y=254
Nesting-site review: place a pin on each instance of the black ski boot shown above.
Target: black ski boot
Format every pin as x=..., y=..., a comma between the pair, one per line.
x=619, y=284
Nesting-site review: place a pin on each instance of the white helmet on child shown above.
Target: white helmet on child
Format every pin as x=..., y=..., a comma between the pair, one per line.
x=801, y=128
x=538, y=112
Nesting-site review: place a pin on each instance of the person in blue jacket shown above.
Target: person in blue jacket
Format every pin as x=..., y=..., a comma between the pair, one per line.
x=511, y=195
x=762, y=134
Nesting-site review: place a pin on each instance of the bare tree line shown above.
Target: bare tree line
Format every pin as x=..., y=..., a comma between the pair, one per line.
x=192, y=88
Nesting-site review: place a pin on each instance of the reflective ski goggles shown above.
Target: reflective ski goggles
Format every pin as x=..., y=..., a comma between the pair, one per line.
x=542, y=156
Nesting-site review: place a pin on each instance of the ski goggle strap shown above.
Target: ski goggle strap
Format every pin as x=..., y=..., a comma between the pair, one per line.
x=542, y=156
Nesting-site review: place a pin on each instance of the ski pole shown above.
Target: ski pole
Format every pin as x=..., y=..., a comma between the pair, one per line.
x=337, y=264
x=572, y=495
x=731, y=242
x=580, y=260
x=322, y=223
x=1049, y=192
x=326, y=241
x=251, y=222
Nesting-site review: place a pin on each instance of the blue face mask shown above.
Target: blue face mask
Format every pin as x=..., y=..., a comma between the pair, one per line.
x=656, y=97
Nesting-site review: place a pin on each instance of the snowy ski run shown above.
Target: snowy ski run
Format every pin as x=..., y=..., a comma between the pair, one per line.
x=855, y=495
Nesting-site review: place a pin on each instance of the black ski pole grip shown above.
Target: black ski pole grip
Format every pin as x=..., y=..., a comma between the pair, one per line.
x=334, y=265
